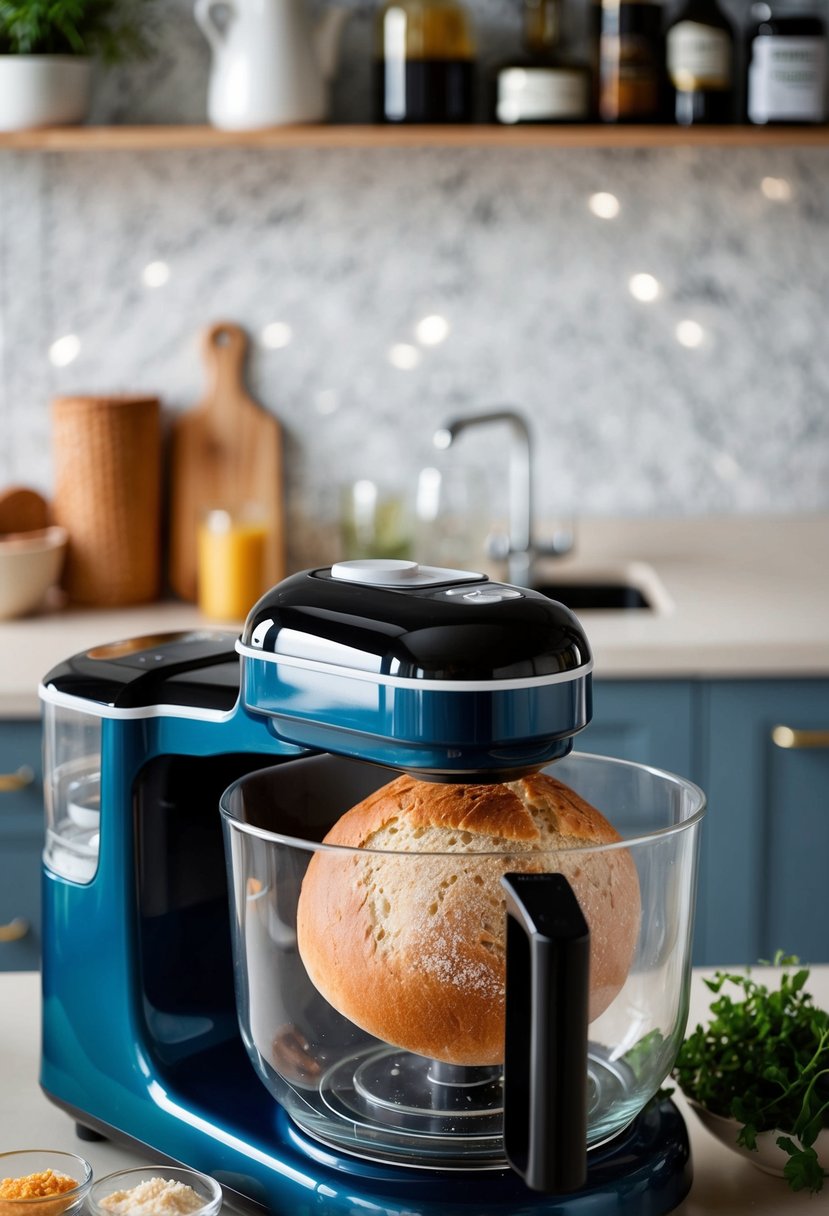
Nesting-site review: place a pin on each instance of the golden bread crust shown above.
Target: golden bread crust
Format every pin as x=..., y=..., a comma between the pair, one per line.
x=492, y=810
x=411, y=947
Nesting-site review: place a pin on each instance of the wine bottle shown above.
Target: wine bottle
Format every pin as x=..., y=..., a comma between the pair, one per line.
x=543, y=84
x=425, y=68
x=700, y=53
x=632, y=84
x=786, y=77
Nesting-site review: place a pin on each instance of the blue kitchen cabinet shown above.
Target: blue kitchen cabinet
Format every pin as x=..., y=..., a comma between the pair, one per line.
x=649, y=721
x=654, y=722
x=766, y=842
x=21, y=842
x=764, y=872
x=764, y=857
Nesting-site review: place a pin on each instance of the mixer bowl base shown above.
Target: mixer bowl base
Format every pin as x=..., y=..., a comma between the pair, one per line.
x=394, y=1107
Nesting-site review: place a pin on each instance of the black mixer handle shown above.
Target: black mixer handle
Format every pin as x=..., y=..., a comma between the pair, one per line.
x=545, y=1064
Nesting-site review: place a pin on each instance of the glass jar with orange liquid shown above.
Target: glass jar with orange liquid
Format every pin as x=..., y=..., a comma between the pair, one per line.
x=231, y=562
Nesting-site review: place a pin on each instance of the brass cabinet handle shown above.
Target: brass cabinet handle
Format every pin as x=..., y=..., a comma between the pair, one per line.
x=10, y=782
x=14, y=930
x=788, y=737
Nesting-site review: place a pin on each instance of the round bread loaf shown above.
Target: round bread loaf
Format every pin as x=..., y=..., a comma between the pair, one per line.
x=412, y=948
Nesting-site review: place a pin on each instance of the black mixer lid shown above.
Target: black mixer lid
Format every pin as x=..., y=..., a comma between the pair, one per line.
x=411, y=621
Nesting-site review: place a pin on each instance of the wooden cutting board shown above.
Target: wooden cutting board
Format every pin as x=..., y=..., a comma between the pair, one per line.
x=226, y=453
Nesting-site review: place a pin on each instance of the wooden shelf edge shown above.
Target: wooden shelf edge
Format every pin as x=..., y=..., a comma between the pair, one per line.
x=194, y=136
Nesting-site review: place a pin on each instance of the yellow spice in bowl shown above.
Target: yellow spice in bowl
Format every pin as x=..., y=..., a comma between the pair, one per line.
x=41, y=1185
x=46, y=1185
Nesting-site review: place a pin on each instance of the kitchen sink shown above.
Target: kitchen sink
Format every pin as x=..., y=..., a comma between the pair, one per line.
x=577, y=596
x=616, y=587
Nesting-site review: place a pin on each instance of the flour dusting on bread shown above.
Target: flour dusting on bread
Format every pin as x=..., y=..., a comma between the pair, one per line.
x=406, y=938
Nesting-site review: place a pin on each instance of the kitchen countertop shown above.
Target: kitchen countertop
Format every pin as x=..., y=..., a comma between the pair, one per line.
x=724, y=1184
x=739, y=596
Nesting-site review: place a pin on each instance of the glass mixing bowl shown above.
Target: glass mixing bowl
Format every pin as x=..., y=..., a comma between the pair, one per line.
x=380, y=1099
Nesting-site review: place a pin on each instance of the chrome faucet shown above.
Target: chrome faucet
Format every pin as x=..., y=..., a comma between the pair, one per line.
x=521, y=549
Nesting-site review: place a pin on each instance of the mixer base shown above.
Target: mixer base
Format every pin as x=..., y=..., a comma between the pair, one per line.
x=266, y=1164
x=645, y=1171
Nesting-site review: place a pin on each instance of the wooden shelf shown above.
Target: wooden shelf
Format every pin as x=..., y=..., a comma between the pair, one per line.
x=172, y=138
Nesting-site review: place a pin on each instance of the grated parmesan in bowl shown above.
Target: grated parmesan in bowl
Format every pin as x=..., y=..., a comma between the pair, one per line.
x=155, y=1197
x=155, y=1191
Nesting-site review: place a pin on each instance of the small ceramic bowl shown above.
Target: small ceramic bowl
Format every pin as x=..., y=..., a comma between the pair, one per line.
x=31, y=1161
x=103, y=1202
x=30, y=563
x=768, y=1156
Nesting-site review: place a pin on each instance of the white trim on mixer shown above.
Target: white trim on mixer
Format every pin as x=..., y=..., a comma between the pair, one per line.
x=52, y=696
x=415, y=685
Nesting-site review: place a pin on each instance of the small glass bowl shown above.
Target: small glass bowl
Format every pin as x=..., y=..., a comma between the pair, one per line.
x=207, y=1188
x=34, y=1161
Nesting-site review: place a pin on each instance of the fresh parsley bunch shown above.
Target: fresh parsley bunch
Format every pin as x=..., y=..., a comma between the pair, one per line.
x=764, y=1061
x=112, y=28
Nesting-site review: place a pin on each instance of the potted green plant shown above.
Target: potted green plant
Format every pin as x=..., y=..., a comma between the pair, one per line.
x=47, y=48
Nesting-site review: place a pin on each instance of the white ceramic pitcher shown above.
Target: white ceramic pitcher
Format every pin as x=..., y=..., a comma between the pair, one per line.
x=270, y=63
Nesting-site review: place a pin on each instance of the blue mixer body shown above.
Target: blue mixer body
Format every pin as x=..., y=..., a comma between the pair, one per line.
x=140, y=1036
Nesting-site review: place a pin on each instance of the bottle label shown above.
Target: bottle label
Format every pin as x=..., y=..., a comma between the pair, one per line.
x=699, y=57
x=541, y=94
x=787, y=79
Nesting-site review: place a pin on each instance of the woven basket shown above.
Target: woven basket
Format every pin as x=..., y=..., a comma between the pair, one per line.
x=108, y=496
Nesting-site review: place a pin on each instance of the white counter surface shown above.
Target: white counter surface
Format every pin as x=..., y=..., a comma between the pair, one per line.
x=741, y=596
x=724, y=1184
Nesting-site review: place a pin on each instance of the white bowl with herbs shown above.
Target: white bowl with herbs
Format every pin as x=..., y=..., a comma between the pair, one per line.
x=757, y=1076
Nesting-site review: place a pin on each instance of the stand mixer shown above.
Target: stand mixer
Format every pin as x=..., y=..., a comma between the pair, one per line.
x=188, y=790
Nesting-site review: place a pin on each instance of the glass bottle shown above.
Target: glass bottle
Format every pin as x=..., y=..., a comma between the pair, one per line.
x=542, y=85
x=700, y=54
x=425, y=63
x=786, y=76
x=632, y=62
x=594, y=53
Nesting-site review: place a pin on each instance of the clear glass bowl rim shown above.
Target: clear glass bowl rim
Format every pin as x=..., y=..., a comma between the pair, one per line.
x=67, y=1197
x=134, y=1174
x=689, y=787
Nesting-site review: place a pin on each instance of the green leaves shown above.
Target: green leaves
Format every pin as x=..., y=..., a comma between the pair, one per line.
x=111, y=28
x=764, y=1061
x=638, y=1057
x=802, y=1171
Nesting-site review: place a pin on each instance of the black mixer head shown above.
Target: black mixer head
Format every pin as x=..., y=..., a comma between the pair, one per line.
x=441, y=673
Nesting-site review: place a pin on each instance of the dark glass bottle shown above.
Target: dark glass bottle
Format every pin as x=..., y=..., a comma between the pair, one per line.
x=542, y=85
x=701, y=67
x=594, y=53
x=786, y=68
x=632, y=86
x=425, y=63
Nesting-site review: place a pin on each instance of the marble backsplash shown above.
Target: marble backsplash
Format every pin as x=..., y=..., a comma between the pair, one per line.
x=112, y=263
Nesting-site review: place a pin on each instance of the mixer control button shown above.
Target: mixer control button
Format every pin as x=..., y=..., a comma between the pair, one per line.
x=491, y=595
x=391, y=572
x=377, y=571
